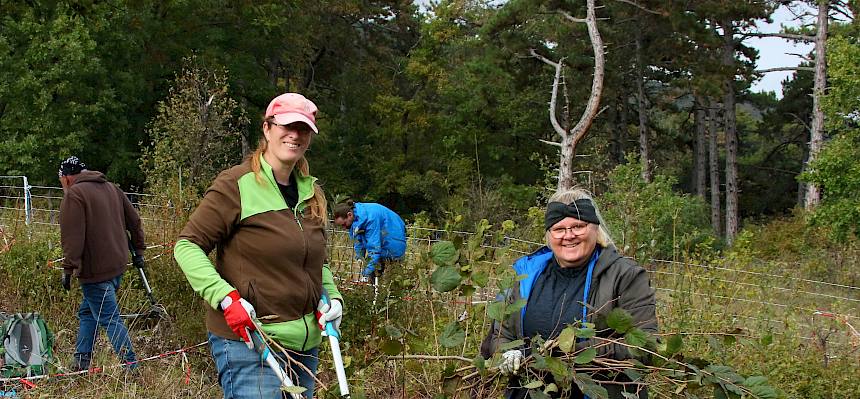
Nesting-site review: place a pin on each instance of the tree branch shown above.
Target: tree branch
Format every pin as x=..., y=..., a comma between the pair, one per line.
x=639, y=6
x=553, y=143
x=432, y=357
x=558, y=66
x=798, y=68
x=591, y=110
x=789, y=36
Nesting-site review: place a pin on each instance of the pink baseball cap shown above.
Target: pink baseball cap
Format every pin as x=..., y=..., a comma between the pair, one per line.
x=293, y=107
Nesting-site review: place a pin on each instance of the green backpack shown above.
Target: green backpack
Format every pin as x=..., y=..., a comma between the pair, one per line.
x=27, y=345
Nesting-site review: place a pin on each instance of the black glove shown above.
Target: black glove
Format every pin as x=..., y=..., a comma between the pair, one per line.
x=67, y=281
x=137, y=261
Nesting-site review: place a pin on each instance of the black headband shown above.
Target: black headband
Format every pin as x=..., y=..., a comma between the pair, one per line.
x=582, y=209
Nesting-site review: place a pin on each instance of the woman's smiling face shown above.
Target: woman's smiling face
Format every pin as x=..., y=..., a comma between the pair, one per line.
x=572, y=241
x=286, y=143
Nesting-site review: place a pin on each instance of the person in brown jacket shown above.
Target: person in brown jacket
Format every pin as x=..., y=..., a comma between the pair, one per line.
x=94, y=217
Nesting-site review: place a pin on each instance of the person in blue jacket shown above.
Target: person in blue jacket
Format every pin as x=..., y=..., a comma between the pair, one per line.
x=378, y=233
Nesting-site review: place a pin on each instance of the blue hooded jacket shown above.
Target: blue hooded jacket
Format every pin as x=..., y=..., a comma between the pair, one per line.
x=378, y=232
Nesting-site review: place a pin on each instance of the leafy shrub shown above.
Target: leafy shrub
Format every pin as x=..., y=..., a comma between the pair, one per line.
x=650, y=220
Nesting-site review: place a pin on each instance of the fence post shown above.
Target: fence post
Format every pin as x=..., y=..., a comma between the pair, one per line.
x=28, y=202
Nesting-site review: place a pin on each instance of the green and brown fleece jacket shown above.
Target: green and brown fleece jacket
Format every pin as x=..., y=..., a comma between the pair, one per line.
x=270, y=253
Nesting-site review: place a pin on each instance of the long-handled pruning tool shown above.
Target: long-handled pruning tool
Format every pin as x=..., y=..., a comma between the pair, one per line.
x=156, y=311
x=334, y=340
x=265, y=352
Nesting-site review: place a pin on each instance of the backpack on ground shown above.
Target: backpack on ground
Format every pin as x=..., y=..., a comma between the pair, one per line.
x=26, y=348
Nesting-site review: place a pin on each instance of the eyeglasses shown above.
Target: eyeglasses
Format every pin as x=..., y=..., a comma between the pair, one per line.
x=297, y=126
x=561, y=232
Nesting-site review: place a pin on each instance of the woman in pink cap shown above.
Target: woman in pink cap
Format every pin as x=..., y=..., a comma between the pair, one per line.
x=266, y=219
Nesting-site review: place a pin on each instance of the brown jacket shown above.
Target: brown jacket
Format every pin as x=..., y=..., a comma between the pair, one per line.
x=270, y=253
x=94, y=218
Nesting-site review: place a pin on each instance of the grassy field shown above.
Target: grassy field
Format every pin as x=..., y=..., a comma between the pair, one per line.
x=783, y=303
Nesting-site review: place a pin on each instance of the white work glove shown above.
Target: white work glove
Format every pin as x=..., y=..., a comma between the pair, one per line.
x=511, y=361
x=330, y=312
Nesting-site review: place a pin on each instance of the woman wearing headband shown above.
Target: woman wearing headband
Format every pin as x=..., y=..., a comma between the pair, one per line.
x=577, y=276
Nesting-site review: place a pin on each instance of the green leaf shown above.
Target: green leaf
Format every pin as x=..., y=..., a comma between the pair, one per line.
x=538, y=395
x=632, y=374
x=516, y=306
x=479, y=362
x=480, y=279
x=452, y=336
x=636, y=337
x=559, y=369
x=766, y=340
x=467, y=290
x=444, y=253
x=391, y=348
x=567, y=339
x=759, y=388
x=392, y=331
x=450, y=383
x=511, y=345
x=631, y=395
x=763, y=392
x=496, y=311
x=589, y=387
x=585, y=356
x=585, y=332
x=673, y=345
x=533, y=384
x=294, y=389
x=445, y=279
x=755, y=380
x=619, y=320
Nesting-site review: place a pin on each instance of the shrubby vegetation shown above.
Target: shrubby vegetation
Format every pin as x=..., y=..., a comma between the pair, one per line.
x=440, y=115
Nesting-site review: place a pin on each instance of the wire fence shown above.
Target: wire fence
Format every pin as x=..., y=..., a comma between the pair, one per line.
x=735, y=295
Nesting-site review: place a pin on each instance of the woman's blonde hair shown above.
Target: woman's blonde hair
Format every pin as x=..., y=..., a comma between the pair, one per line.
x=317, y=204
x=577, y=193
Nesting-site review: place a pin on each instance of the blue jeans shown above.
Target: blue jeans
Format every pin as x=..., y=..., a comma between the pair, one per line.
x=243, y=375
x=99, y=308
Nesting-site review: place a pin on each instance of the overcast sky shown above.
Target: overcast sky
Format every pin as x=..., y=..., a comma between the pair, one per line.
x=772, y=52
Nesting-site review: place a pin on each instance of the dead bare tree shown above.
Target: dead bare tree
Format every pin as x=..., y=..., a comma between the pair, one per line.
x=570, y=138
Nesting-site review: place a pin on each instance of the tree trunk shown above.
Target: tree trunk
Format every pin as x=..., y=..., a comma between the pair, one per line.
x=565, y=167
x=730, y=128
x=700, y=157
x=642, y=103
x=816, y=138
x=713, y=161
x=569, y=139
x=622, y=130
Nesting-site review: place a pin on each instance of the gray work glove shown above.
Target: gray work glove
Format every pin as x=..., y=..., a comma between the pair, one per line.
x=511, y=361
